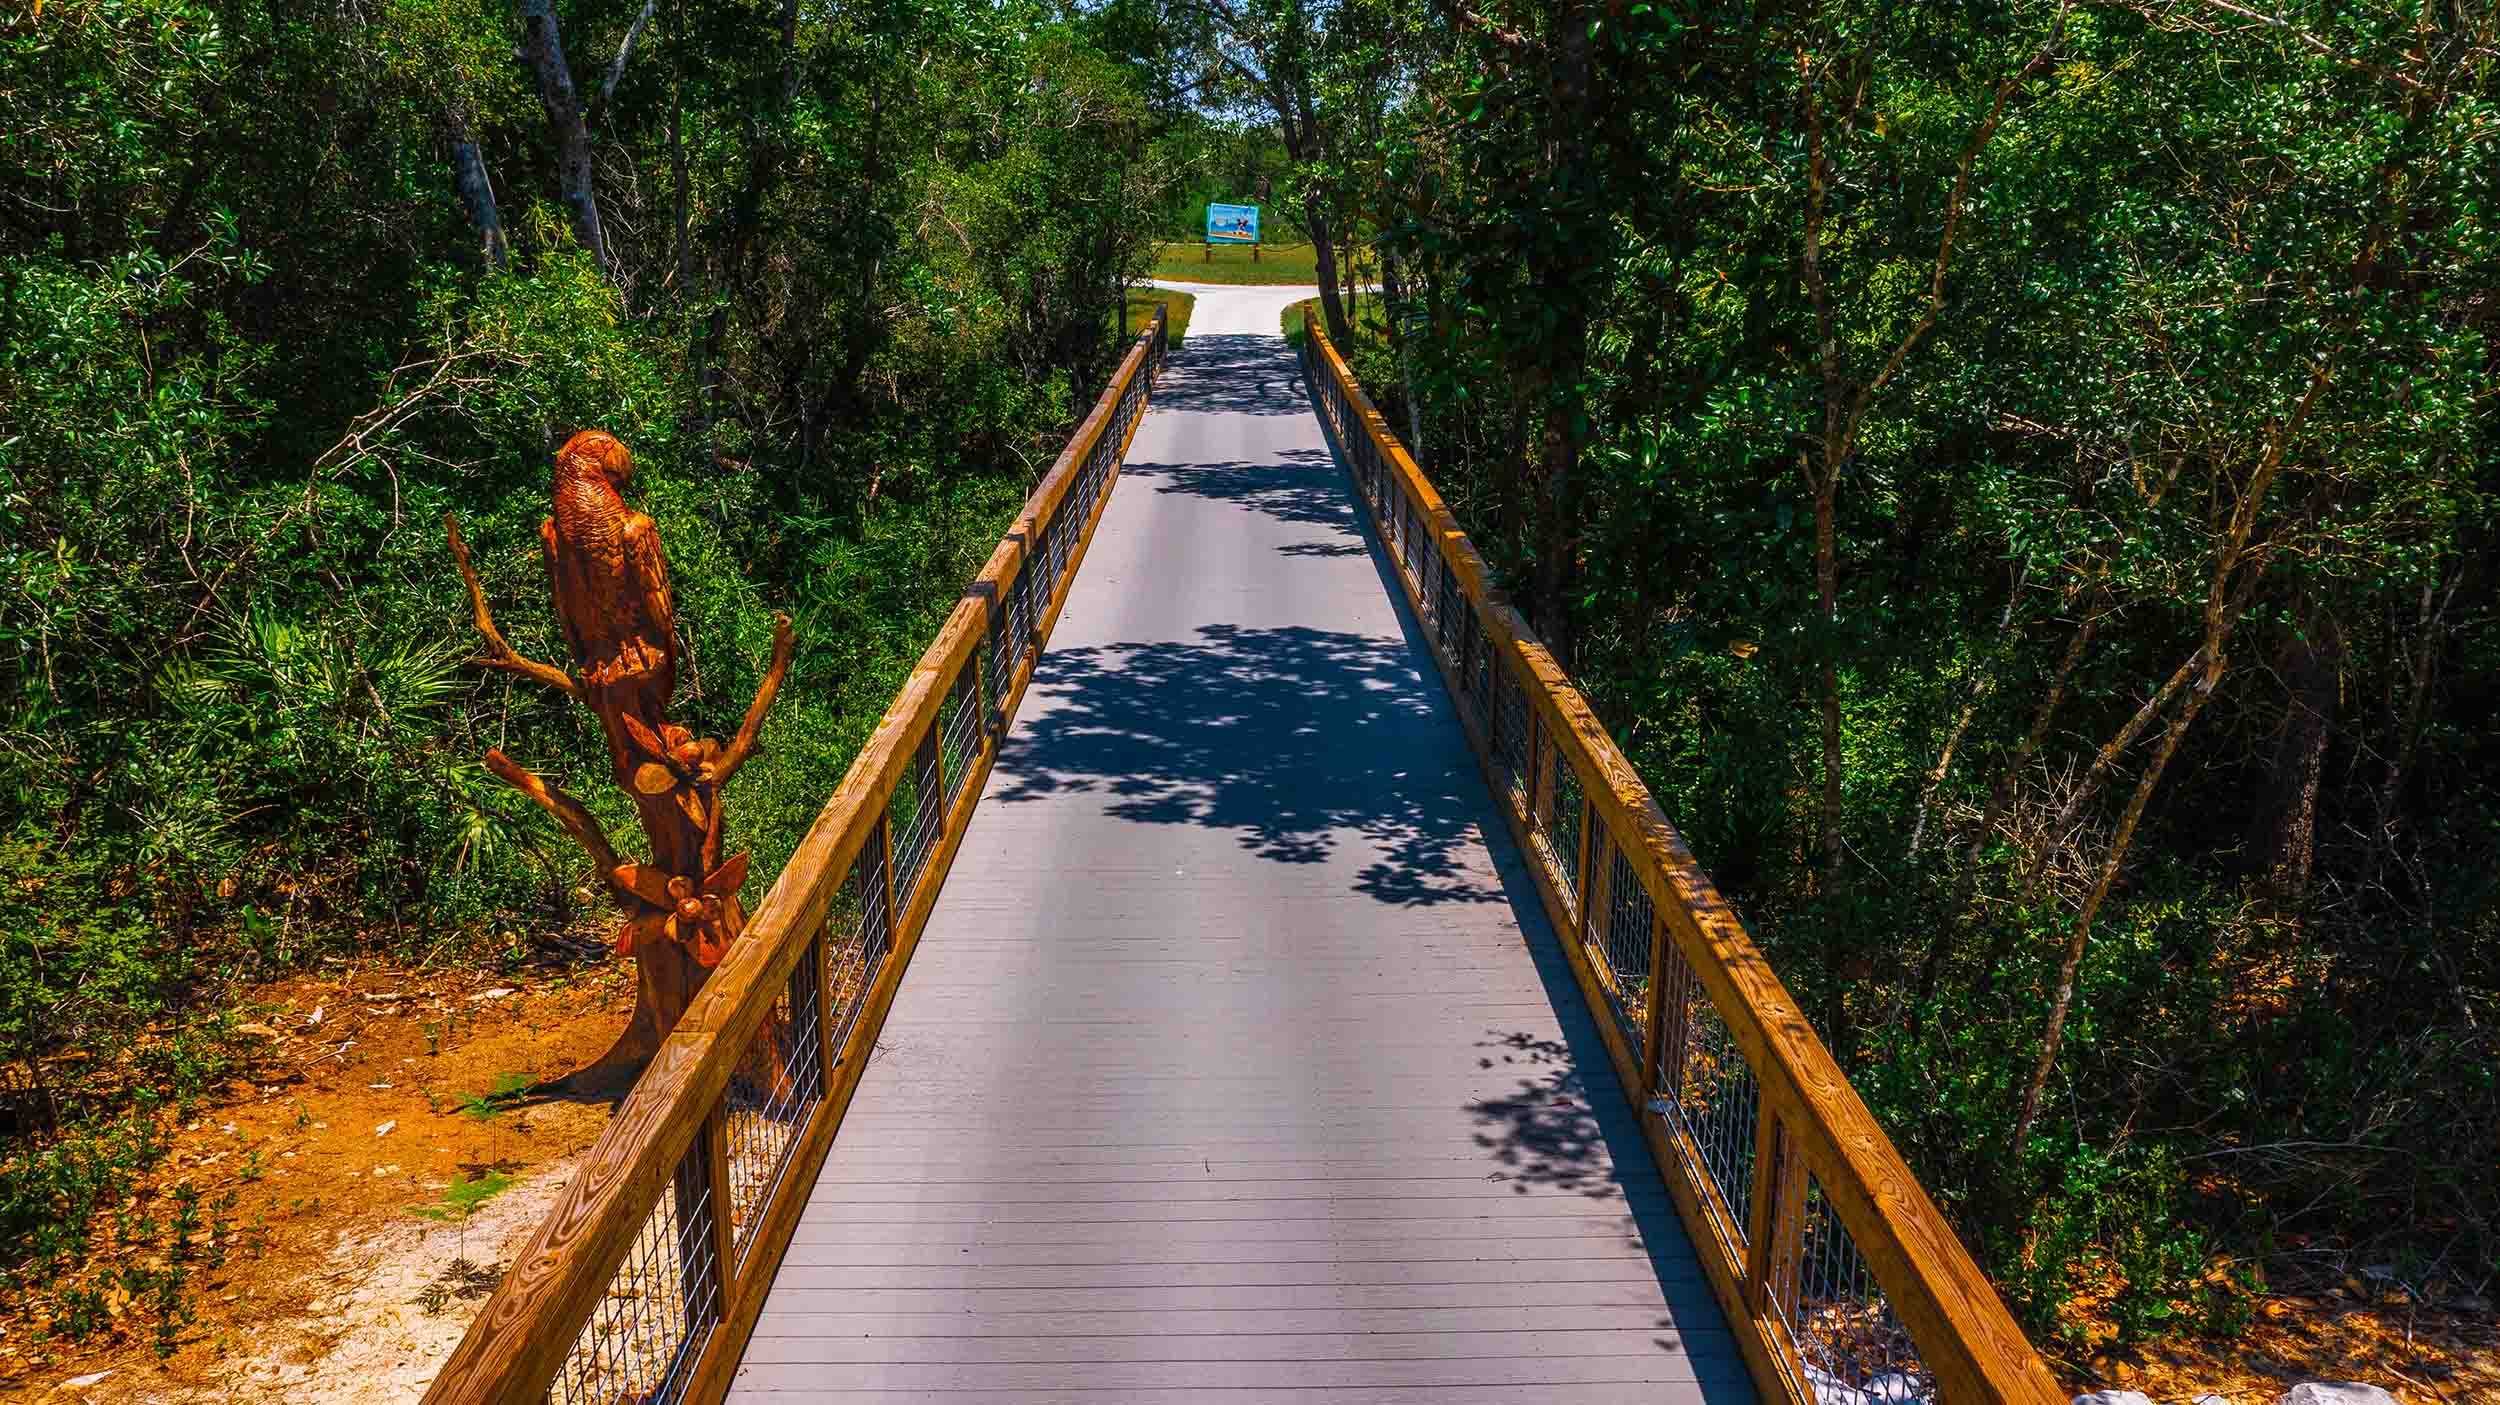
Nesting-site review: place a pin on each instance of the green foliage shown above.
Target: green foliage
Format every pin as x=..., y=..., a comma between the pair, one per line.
x=1232, y=264
x=252, y=354
x=2207, y=375
x=509, y=1089
x=464, y=1197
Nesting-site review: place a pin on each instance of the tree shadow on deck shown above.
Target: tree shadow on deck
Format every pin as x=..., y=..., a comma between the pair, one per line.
x=1304, y=742
x=1300, y=486
x=1569, y=1126
x=1242, y=375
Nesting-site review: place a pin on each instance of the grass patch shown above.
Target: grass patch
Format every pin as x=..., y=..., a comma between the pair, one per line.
x=509, y=1089
x=1231, y=263
x=1141, y=310
x=1371, y=321
x=464, y=1196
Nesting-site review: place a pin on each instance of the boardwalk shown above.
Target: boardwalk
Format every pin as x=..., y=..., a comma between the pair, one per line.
x=1237, y=1061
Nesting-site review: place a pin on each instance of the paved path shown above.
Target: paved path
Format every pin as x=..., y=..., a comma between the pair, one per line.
x=1237, y=1062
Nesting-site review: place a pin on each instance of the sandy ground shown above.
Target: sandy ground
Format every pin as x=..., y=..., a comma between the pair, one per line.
x=340, y=1278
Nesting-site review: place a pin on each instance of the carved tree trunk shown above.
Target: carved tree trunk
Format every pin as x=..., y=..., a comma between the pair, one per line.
x=612, y=597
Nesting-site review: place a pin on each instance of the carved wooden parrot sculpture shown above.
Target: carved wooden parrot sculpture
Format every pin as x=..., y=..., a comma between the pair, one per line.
x=609, y=576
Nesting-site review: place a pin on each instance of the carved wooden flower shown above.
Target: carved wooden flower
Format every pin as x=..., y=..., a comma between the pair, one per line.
x=694, y=915
x=680, y=761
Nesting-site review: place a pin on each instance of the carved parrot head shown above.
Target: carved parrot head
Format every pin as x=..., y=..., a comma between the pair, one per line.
x=599, y=452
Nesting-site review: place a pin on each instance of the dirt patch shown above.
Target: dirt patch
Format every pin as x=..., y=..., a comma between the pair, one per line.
x=2430, y=1344
x=383, y=1159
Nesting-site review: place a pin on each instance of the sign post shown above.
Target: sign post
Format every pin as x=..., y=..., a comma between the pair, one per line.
x=1233, y=224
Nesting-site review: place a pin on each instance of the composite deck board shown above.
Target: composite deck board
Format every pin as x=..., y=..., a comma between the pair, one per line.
x=1237, y=1061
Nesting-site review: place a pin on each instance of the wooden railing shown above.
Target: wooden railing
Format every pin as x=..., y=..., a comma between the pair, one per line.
x=644, y=1282
x=1842, y=1280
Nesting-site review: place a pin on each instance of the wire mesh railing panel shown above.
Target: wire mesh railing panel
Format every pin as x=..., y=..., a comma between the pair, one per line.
x=1061, y=536
x=1002, y=653
x=1453, y=605
x=1561, y=822
x=1014, y=633
x=1621, y=927
x=1852, y=1348
x=771, y=1096
x=857, y=949
x=1510, y=729
x=1707, y=1091
x=1479, y=665
x=916, y=814
x=647, y=1333
x=965, y=709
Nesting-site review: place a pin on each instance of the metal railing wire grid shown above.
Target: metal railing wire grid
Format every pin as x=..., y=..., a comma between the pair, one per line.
x=965, y=709
x=1707, y=1092
x=1561, y=823
x=646, y=1334
x=1510, y=729
x=1009, y=634
x=1453, y=605
x=1478, y=663
x=918, y=813
x=1002, y=658
x=1853, y=1349
x=771, y=1096
x=856, y=959
x=1620, y=930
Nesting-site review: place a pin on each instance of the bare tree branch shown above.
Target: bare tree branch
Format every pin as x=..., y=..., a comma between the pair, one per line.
x=500, y=654
x=742, y=746
x=625, y=53
x=569, y=812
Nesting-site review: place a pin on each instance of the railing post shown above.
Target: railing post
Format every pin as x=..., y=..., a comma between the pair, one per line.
x=1662, y=1027
x=1775, y=1239
x=893, y=914
x=1584, y=868
x=1775, y=1226
x=724, y=1226
x=828, y=1052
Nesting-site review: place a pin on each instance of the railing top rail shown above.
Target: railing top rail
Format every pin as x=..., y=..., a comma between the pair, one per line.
x=1964, y=1333
x=521, y=1337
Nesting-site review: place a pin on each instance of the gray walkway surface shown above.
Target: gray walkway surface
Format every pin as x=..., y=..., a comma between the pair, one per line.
x=1238, y=1061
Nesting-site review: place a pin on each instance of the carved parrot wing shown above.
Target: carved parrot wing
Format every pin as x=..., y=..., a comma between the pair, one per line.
x=557, y=566
x=647, y=580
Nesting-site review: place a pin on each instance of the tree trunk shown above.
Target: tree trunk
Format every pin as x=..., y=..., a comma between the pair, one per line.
x=2081, y=933
x=1324, y=255
x=2283, y=834
x=542, y=45
x=625, y=55
x=1827, y=601
x=477, y=192
x=1394, y=294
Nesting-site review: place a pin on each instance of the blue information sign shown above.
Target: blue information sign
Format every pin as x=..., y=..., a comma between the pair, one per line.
x=1232, y=224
